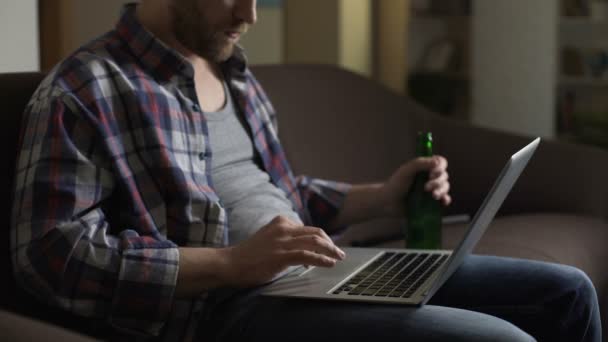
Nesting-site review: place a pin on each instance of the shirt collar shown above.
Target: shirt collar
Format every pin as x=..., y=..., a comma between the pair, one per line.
x=160, y=59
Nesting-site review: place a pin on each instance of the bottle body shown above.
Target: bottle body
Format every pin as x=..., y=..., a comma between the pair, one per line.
x=423, y=212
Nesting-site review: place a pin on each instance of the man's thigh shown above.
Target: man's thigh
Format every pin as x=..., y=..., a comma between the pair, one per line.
x=486, y=282
x=276, y=319
x=536, y=296
x=251, y=317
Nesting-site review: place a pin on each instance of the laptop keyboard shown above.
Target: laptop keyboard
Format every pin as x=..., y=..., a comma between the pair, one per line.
x=393, y=274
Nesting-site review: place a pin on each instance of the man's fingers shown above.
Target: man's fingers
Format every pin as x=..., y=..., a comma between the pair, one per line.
x=435, y=183
x=436, y=173
x=432, y=164
x=441, y=191
x=314, y=243
x=281, y=220
x=314, y=237
x=442, y=162
x=439, y=168
x=317, y=233
x=306, y=230
x=302, y=257
x=446, y=200
x=422, y=164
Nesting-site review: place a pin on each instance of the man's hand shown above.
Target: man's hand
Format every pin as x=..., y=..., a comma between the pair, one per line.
x=369, y=201
x=276, y=246
x=394, y=191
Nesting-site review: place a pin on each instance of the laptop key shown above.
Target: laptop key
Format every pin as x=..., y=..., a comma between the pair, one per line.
x=369, y=292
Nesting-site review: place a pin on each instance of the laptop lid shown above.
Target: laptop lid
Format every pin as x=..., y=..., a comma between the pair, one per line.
x=501, y=188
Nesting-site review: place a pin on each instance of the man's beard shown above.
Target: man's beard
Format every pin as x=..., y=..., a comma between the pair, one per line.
x=193, y=31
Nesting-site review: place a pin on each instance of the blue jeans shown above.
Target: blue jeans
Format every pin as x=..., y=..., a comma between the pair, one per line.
x=487, y=299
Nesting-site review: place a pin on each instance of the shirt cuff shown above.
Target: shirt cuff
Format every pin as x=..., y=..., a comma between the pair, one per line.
x=144, y=293
x=323, y=198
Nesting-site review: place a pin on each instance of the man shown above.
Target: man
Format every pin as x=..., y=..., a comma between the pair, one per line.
x=153, y=194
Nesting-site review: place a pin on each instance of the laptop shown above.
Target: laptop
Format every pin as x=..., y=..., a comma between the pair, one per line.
x=399, y=276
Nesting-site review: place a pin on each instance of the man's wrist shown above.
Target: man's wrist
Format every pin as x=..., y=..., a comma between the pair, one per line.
x=366, y=202
x=203, y=269
x=226, y=266
x=387, y=206
x=380, y=200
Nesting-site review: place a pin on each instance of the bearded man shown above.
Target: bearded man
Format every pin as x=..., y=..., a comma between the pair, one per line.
x=153, y=196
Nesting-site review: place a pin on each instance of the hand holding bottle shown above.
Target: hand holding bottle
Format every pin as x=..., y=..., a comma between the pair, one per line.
x=423, y=202
x=398, y=185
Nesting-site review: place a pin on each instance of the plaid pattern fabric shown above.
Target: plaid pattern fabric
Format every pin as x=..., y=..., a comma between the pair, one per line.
x=113, y=175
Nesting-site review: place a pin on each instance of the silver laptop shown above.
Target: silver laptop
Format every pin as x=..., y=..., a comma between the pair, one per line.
x=401, y=276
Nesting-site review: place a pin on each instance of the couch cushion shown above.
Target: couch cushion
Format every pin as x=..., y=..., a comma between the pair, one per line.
x=20, y=328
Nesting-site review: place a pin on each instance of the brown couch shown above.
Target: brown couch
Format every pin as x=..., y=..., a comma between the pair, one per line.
x=338, y=125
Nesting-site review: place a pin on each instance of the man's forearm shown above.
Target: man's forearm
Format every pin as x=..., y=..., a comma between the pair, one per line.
x=366, y=202
x=200, y=270
x=362, y=203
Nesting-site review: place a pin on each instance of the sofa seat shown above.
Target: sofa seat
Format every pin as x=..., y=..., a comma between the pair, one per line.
x=20, y=328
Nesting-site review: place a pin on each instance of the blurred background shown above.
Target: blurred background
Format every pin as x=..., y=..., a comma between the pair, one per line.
x=530, y=67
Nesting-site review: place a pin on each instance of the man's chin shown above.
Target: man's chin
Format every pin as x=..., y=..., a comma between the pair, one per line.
x=218, y=55
x=225, y=53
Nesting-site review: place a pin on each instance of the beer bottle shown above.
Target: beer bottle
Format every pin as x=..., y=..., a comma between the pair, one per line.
x=423, y=212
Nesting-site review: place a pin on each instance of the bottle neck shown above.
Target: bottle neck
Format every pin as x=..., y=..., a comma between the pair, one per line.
x=424, y=145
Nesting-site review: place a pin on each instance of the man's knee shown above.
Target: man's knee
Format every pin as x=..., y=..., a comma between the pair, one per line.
x=513, y=334
x=576, y=285
x=585, y=285
x=473, y=326
x=499, y=330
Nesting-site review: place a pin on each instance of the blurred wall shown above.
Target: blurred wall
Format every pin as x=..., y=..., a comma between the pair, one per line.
x=515, y=65
x=71, y=23
x=338, y=32
x=68, y=24
x=356, y=39
x=391, y=22
x=312, y=34
x=88, y=19
x=335, y=32
x=264, y=43
x=19, y=36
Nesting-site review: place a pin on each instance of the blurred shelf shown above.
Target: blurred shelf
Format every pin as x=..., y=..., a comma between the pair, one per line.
x=583, y=81
x=583, y=21
x=450, y=75
x=601, y=141
x=583, y=32
x=441, y=17
x=568, y=137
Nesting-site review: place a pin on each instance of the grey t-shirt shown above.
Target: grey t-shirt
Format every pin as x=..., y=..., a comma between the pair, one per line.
x=245, y=189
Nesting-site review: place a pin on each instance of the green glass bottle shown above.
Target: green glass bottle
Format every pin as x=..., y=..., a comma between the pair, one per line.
x=423, y=212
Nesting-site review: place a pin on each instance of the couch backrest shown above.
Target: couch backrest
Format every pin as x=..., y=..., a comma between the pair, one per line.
x=355, y=130
x=15, y=92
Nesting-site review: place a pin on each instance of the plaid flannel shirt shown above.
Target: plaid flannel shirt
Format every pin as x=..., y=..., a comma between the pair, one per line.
x=113, y=175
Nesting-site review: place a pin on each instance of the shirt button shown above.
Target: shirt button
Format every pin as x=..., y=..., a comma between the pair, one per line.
x=202, y=155
x=196, y=108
